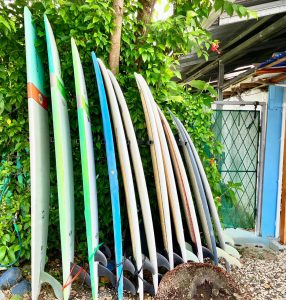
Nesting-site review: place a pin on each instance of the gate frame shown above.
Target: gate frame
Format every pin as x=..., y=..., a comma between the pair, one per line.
x=260, y=106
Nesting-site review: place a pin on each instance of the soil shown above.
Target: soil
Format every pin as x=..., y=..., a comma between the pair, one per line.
x=262, y=276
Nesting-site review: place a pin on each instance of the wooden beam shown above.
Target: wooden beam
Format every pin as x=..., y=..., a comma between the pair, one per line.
x=283, y=198
x=271, y=31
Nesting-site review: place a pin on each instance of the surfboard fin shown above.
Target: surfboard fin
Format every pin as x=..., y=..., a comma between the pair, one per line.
x=147, y=265
x=148, y=288
x=232, y=251
x=177, y=259
x=191, y=256
x=100, y=257
x=128, y=266
x=207, y=253
x=106, y=251
x=230, y=259
x=57, y=287
x=103, y=271
x=162, y=261
x=128, y=286
x=228, y=239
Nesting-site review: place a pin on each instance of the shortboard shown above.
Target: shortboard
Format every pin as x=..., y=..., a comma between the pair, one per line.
x=64, y=163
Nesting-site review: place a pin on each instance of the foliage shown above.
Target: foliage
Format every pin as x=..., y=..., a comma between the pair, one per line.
x=151, y=49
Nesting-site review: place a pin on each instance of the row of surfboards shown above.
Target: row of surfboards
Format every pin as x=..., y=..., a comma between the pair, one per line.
x=174, y=183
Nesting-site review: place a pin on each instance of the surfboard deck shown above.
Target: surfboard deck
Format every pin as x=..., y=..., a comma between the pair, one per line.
x=64, y=164
x=200, y=200
x=184, y=187
x=158, y=168
x=126, y=175
x=39, y=155
x=140, y=178
x=112, y=173
x=88, y=168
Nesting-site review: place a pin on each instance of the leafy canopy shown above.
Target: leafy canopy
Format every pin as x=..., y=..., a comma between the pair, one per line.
x=151, y=49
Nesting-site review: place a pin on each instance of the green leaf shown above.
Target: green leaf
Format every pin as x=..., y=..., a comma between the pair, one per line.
x=3, y=250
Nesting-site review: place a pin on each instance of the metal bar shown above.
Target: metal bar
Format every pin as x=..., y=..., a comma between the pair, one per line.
x=220, y=80
x=242, y=103
x=271, y=31
x=247, y=31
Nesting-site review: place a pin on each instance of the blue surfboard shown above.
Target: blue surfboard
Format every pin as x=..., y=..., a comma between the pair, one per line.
x=112, y=173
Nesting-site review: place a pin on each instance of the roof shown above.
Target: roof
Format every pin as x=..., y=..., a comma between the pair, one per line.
x=244, y=45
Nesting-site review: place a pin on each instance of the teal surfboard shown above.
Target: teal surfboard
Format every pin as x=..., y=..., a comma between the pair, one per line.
x=39, y=161
x=65, y=182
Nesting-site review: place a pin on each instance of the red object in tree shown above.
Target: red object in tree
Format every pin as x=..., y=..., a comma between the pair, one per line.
x=214, y=48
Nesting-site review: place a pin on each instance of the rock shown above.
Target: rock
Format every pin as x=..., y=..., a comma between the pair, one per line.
x=215, y=292
x=2, y=296
x=21, y=288
x=10, y=278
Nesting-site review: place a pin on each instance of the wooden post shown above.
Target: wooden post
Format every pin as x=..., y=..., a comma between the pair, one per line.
x=283, y=198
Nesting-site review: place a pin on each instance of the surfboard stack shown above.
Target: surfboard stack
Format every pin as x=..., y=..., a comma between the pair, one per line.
x=182, y=188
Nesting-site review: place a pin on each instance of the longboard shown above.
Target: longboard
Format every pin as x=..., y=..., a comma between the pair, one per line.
x=184, y=187
x=140, y=180
x=112, y=172
x=158, y=168
x=126, y=175
x=64, y=164
x=88, y=169
x=39, y=160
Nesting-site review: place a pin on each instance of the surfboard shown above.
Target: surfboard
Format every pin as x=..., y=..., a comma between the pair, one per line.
x=158, y=168
x=88, y=168
x=39, y=159
x=112, y=173
x=171, y=183
x=64, y=164
x=221, y=236
x=201, y=202
x=184, y=187
x=220, y=251
x=140, y=178
x=126, y=175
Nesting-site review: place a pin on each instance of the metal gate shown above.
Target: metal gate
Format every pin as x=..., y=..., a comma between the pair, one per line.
x=239, y=131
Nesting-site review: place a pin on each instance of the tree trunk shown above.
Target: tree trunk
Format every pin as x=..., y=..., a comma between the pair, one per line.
x=114, y=54
x=145, y=14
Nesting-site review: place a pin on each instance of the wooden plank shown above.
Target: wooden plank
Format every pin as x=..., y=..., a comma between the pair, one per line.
x=283, y=199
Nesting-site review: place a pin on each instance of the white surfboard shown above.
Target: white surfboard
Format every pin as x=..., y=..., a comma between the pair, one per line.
x=126, y=175
x=158, y=168
x=140, y=178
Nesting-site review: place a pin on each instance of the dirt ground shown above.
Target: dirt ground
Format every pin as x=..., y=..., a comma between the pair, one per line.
x=262, y=276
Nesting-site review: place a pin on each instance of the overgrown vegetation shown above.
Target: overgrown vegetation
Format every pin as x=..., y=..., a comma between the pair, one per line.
x=150, y=48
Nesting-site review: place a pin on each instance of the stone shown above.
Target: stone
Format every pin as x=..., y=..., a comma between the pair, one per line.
x=2, y=296
x=10, y=278
x=21, y=288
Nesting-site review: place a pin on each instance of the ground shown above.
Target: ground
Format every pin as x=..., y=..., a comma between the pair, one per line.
x=262, y=275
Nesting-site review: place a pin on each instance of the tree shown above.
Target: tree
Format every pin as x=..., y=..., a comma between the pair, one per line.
x=151, y=48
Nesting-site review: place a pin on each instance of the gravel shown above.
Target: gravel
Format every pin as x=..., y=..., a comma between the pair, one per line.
x=263, y=276
x=263, y=273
